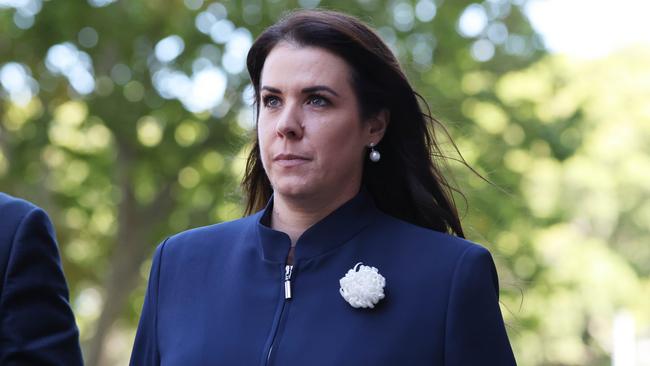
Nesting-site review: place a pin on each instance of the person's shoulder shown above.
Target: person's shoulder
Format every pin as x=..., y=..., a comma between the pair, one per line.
x=23, y=223
x=434, y=258
x=424, y=240
x=16, y=212
x=210, y=235
x=11, y=206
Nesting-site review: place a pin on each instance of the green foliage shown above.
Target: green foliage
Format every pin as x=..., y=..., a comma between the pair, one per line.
x=585, y=188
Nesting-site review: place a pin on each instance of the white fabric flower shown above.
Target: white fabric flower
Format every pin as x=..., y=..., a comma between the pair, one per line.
x=362, y=286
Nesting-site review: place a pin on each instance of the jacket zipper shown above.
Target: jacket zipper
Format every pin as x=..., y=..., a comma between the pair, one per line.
x=288, y=270
x=287, y=281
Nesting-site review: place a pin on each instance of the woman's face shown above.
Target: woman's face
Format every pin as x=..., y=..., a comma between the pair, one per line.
x=311, y=138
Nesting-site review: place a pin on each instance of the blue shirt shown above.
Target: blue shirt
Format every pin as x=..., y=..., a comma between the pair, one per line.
x=216, y=296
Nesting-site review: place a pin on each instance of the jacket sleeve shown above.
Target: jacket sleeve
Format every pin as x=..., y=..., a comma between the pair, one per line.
x=145, y=349
x=37, y=324
x=475, y=333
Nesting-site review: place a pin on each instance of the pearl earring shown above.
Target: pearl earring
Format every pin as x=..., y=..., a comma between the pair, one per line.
x=374, y=154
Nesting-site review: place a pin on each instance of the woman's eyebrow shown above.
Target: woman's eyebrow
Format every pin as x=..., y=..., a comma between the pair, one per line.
x=272, y=89
x=318, y=88
x=311, y=89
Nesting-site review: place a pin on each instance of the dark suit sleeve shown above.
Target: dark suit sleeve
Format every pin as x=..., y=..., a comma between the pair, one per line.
x=475, y=333
x=145, y=349
x=37, y=325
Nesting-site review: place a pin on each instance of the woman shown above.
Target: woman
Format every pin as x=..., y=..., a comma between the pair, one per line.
x=347, y=258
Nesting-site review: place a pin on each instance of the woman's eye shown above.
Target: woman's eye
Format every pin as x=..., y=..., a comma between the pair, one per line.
x=271, y=101
x=318, y=101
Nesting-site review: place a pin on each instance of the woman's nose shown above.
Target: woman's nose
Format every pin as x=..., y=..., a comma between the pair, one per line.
x=290, y=124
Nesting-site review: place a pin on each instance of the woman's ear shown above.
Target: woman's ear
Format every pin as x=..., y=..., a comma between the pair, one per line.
x=377, y=125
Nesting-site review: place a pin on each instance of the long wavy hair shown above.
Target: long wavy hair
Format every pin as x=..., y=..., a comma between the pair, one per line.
x=407, y=183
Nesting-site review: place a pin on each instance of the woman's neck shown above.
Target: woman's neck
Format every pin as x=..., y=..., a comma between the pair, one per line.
x=294, y=216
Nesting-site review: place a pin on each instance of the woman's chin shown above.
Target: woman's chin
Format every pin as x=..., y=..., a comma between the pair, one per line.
x=295, y=190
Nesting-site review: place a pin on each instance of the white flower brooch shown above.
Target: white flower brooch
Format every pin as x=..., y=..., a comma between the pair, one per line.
x=362, y=286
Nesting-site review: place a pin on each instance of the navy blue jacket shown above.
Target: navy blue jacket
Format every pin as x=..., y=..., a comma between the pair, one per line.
x=216, y=296
x=36, y=324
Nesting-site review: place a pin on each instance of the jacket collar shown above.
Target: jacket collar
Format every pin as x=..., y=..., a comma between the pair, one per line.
x=332, y=231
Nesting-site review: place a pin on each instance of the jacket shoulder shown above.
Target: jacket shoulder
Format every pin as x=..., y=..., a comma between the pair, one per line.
x=14, y=207
x=424, y=240
x=210, y=235
x=14, y=211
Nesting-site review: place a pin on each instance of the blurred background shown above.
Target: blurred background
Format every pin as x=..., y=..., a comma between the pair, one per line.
x=128, y=121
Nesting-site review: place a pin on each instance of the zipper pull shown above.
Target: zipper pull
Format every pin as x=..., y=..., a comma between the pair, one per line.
x=287, y=281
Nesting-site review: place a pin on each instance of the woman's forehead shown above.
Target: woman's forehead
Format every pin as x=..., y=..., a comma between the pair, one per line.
x=289, y=66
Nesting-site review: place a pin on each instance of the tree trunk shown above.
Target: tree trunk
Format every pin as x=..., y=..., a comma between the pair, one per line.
x=130, y=251
x=132, y=248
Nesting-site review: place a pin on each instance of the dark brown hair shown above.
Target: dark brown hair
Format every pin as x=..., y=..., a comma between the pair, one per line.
x=407, y=183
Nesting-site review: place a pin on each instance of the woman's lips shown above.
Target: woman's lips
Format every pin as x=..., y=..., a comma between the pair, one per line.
x=290, y=160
